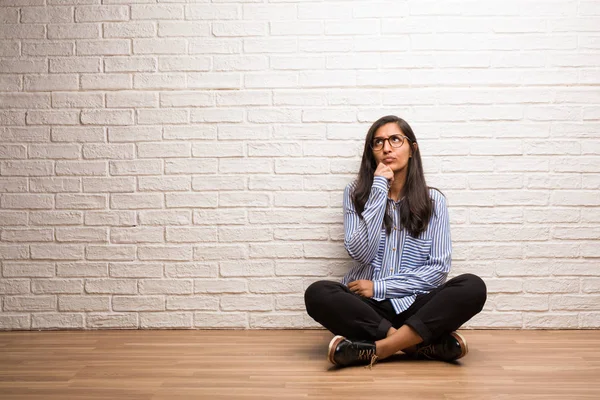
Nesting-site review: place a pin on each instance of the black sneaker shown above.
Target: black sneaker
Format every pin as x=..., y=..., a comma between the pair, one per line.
x=448, y=347
x=343, y=352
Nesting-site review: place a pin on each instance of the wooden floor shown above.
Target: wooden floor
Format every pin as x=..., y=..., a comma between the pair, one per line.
x=186, y=364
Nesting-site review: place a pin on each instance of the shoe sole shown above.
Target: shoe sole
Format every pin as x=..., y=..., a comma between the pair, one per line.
x=332, y=346
x=463, y=344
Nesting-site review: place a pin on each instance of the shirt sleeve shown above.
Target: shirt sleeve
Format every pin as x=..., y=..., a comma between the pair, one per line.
x=433, y=272
x=362, y=233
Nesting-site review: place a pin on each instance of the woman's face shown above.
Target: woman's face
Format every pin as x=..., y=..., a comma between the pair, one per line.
x=394, y=157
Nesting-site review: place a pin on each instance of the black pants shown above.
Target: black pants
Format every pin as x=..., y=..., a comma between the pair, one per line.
x=442, y=310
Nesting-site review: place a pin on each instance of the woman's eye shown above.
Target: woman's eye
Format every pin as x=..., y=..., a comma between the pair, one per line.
x=395, y=139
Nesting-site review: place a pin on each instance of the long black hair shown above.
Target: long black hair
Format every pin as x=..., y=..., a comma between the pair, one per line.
x=417, y=207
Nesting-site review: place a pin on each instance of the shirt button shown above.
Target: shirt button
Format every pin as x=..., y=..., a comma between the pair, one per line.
x=394, y=249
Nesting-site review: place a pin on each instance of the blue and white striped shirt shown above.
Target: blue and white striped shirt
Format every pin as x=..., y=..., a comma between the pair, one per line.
x=399, y=265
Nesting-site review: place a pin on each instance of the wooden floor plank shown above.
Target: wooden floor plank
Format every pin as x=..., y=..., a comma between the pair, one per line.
x=288, y=364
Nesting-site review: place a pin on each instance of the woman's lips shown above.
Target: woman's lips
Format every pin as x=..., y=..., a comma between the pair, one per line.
x=388, y=160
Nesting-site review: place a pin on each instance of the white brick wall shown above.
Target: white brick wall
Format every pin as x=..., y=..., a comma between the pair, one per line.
x=182, y=165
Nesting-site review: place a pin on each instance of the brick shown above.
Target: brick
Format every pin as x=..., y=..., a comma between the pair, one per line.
x=15, y=286
x=219, y=252
x=56, y=185
x=45, y=48
x=130, y=64
x=135, y=167
x=106, y=82
x=24, y=100
x=84, y=303
x=246, y=165
x=216, y=115
x=134, y=134
x=110, y=252
x=55, y=82
x=191, y=270
x=81, y=234
x=13, y=269
x=79, y=64
x=163, y=286
x=108, y=151
x=22, y=31
x=191, y=234
x=101, y=13
x=43, y=117
x=80, y=168
x=73, y=31
x=83, y=269
x=215, y=46
x=56, y=251
x=190, y=166
x=153, y=12
x=14, y=218
x=111, y=286
x=13, y=151
x=110, y=218
x=77, y=100
x=163, y=150
x=196, y=303
x=131, y=99
x=246, y=268
x=186, y=99
x=216, y=149
x=217, y=217
x=37, y=65
x=159, y=81
x=220, y=320
x=81, y=201
x=8, y=118
x=168, y=184
x=136, y=270
x=56, y=218
x=271, y=80
x=129, y=29
x=167, y=253
x=154, y=117
x=69, y=134
x=214, y=80
x=106, y=47
x=56, y=286
x=13, y=185
x=14, y=252
x=111, y=184
x=24, y=201
x=135, y=201
x=10, y=48
x=212, y=11
x=190, y=132
x=137, y=235
x=107, y=117
x=159, y=46
x=138, y=303
x=27, y=235
x=191, y=200
x=60, y=321
x=112, y=321
x=246, y=303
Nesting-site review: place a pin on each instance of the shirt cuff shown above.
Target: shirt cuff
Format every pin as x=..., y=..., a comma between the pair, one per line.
x=381, y=182
x=379, y=290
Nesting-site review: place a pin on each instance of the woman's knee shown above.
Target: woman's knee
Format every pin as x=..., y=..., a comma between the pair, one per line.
x=477, y=289
x=315, y=294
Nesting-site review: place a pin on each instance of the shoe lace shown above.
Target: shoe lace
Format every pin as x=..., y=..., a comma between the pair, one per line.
x=368, y=355
x=427, y=351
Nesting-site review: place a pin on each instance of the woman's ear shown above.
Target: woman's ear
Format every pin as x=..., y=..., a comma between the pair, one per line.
x=413, y=148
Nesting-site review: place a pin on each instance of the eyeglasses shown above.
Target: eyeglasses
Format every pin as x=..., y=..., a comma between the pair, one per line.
x=394, y=140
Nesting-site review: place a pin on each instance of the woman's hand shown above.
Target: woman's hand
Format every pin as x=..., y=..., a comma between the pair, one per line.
x=362, y=287
x=385, y=171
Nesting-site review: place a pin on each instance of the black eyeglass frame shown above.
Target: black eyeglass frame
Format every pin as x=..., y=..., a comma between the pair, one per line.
x=388, y=140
